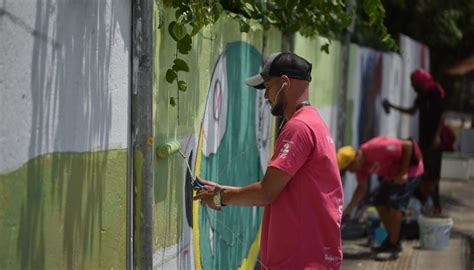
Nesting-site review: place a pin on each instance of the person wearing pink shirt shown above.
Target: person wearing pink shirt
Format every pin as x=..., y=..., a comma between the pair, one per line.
x=301, y=189
x=399, y=163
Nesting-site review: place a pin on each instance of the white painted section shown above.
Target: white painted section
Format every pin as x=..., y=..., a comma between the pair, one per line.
x=215, y=116
x=391, y=86
x=329, y=115
x=411, y=56
x=64, y=77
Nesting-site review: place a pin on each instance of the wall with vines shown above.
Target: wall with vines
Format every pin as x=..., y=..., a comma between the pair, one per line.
x=225, y=130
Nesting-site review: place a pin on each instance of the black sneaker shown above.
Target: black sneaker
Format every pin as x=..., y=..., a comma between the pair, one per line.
x=385, y=246
x=399, y=246
x=389, y=255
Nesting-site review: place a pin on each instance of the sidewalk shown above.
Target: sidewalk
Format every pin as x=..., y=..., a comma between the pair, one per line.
x=458, y=202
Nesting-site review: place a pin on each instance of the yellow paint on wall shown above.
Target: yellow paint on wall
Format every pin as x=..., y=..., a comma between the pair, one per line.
x=197, y=169
x=138, y=165
x=252, y=257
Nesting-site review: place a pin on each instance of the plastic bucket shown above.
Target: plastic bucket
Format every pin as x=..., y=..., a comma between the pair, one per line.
x=434, y=232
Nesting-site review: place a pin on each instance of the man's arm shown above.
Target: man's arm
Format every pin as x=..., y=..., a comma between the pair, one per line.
x=358, y=196
x=256, y=194
x=259, y=193
x=387, y=105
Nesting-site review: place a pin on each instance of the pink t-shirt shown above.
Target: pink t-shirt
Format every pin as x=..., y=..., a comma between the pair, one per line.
x=383, y=156
x=301, y=227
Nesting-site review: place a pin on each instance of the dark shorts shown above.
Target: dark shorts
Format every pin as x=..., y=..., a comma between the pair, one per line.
x=394, y=195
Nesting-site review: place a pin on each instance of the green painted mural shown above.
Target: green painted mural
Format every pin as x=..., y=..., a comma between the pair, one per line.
x=326, y=70
x=65, y=211
x=231, y=157
x=218, y=121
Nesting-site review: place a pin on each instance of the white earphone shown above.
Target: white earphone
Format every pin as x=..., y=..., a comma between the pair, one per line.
x=281, y=88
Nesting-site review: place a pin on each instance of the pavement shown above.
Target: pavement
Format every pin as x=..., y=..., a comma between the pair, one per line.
x=457, y=200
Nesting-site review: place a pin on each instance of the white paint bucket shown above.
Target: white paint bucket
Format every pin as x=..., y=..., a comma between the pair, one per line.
x=434, y=231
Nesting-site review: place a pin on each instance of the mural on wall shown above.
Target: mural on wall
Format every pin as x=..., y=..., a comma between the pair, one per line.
x=414, y=55
x=391, y=87
x=236, y=147
x=371, y=71
x=232, y=148
x=326, y=77
x=65, y=81
x=375, y=76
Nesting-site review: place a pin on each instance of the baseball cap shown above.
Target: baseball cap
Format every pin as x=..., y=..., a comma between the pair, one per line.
x=281, y=63
x=345, y=155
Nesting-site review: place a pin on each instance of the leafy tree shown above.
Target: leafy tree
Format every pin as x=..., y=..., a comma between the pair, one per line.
x=447, y=27
x=328, y=18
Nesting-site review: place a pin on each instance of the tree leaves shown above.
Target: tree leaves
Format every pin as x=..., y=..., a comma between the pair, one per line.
x=185, y=44
x=182, y=86
x=180, y=65
x=327, y=18
x=172, y=101
x=325, y=48
x=171, y=75
x=177, y=31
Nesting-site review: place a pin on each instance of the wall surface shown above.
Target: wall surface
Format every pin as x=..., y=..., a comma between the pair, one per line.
x=225, y=129
x=65, y=86
x=64, y=80
x=326, y=76
x=375, y=76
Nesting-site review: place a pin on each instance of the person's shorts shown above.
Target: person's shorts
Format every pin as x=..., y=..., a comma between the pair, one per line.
x=395, y=196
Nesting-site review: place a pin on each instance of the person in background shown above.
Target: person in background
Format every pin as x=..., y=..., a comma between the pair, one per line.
x=301, y=189
x=429, y=103
x=399, y=163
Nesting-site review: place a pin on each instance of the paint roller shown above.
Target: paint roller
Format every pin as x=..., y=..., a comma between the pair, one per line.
x=167, y=149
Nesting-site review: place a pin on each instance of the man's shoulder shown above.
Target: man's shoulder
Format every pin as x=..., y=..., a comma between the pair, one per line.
x=309, y=116
x=296, y=125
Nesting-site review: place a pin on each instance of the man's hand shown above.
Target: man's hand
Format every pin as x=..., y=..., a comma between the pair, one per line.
x=206, y=196
x=400, y=179
x=206, y=183
x=386, y=105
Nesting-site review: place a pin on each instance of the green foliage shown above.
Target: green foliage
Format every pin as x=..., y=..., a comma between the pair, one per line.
x=171, y=75
x=311, y=18
x=437, y=23
x=369, y=26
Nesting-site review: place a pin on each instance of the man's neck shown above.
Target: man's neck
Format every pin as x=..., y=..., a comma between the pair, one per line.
x=290, y=110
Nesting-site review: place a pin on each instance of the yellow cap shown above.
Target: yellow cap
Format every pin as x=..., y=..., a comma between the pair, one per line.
x=345, y=155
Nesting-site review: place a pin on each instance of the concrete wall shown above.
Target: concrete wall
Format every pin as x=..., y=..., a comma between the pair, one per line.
x=374, y=76
x=326, y=74
x=64, y=80
x=225, y=130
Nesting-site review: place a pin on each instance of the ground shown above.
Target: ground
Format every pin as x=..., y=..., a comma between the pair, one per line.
x=457, y=198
